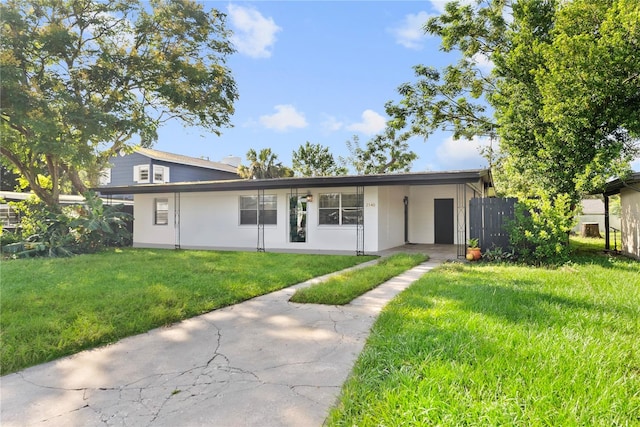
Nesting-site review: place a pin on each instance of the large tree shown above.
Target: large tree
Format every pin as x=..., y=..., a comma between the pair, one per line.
x=315, y=160
x=387, y=152
x=83, y=79
x=563, y=96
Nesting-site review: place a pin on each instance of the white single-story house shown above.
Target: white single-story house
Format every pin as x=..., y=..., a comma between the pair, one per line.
x=629, y=190
x=362, y=214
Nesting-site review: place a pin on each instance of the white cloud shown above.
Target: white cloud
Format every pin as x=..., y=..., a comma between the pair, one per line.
x=254, y=35
x=285, y=118
x=483, y=62
x=410, y=33
x=371, y=123
x=462, y=153
x=331, y=124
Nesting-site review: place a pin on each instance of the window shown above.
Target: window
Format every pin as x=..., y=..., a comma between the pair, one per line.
x=141, y=174
x=340, y=209
x=161, y=212
x=249, y=210
x=160, y=174
x=297, y=218
x=105, y=177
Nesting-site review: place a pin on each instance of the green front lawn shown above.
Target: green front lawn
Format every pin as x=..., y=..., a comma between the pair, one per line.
x=481, y=344
x=55, y=307
x=343, y=288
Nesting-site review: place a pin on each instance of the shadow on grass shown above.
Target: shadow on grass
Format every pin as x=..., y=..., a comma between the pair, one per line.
x=517, y=300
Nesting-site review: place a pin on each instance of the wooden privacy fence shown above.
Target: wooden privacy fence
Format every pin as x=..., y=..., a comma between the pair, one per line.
x=488, y=219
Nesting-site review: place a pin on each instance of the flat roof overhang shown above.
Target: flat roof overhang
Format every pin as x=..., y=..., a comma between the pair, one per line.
x=424, y=178
x=614, y=187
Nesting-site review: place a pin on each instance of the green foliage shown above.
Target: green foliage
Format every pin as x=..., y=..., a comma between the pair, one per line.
x=561, y=95
x=8, y=237
x=51, y=307
x=473, y=243
x=567, y=107
x=387, y=152
x=96, y=225
x=263, y=165
x=76, y=229
x=497, y=254
x=315, y=160
x=345, y=287
x=539, y=234
x=82, y=80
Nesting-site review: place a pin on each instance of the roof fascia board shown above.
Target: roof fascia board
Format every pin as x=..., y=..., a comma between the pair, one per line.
x=185, y=160
x=433, y=178
x=613, y=187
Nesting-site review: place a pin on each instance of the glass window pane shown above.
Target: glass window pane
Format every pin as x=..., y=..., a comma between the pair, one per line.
x=350, y=200
x=268, y=217
x=248, y=217
x=328, y=216
x=270, y=202
x=248, y=202
x=351, y=215
x=161, y=214
x=144, y=173
x=331, y=200
x=162, y=204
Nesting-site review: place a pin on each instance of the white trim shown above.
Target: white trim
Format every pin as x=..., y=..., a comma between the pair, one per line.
x=137, y=174
x=162, y=172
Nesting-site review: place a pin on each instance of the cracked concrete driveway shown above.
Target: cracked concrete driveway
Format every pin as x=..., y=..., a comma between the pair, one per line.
x=264, y=362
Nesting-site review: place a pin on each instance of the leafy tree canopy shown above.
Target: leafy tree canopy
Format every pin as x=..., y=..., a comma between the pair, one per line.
x=387, y=152
x=84, y=79
x=263, y=165
x=315, y=160
x=563, y=95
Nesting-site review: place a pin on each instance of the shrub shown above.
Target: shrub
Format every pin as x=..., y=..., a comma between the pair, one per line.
x=497, y=254
x=539, y=233
x=75, y=229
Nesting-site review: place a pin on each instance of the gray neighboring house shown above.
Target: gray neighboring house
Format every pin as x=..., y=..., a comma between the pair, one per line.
x=147, y=166
x=593, y=212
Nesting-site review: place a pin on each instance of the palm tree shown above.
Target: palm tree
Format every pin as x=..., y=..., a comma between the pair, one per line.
x=263, y=165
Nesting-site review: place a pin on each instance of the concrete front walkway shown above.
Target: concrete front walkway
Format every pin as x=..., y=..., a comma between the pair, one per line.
x=263, y=362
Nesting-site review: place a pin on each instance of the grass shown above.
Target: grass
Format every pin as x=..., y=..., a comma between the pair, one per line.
x=54, y=307
x=482, y=344
x=343, y=288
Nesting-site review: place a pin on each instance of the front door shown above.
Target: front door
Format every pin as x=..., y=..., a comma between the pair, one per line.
x=297, y=218
x=443, y=221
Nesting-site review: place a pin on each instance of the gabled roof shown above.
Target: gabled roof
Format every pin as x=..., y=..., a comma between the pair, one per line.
x=614, y=187
x=422, y=178
x=185, y=160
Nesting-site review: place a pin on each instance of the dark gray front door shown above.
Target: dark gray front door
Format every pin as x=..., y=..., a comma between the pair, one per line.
x=443, y=221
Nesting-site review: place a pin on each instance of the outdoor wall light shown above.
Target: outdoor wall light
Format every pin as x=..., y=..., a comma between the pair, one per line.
x=309, y=198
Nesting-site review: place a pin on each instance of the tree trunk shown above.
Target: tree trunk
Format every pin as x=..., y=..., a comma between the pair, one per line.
x=590, y=229
x=76, y=181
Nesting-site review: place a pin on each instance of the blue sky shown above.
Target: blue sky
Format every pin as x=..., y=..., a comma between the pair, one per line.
x=321, y=71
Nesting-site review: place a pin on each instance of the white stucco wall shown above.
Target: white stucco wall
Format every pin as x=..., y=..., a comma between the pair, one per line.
x=212, y=220
x=630, y=221
x=145, y=233
x=421, y=211
x=391, y=216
